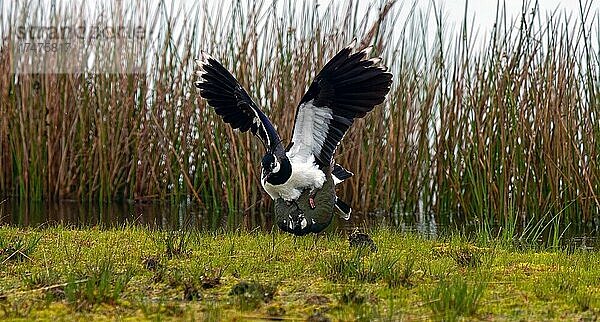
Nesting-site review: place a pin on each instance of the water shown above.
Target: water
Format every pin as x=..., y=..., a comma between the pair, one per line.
x=77, y=214
x=167, y=216
x=186, y=214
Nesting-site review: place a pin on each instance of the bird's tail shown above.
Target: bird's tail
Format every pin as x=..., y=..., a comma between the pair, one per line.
x=343, y=207
x=340, y=174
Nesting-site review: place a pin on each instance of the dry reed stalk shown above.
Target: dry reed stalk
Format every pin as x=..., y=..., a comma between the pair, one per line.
x=507, y=131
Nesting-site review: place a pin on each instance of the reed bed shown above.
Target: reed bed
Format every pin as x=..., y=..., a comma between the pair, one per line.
x=499, y=125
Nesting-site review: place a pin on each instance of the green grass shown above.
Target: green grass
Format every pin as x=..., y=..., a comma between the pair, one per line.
x=455, y=297
x=16, y=248
x=129, y=273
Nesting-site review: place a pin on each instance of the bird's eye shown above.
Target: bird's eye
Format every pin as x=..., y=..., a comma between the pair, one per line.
x=275, y=166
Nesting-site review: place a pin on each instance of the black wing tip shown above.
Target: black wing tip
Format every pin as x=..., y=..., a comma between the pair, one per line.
x=365, y=52
x=207, y=64
x=205, y=58
x=350, y=64
x=201, y=63
x=351, y=85
x=352, y=44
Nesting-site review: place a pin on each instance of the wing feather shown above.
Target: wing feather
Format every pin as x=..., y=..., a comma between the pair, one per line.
x=225, y=94
x=348, y=87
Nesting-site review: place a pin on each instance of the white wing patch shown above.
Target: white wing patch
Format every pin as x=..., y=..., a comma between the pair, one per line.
x=312, y=124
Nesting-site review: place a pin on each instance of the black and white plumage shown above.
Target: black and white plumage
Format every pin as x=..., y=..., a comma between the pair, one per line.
x=348, y=87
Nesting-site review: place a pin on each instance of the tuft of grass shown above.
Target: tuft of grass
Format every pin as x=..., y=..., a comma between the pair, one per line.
x=361, y=265
x=191, y=292
x=401, y=275
x=102, y=284
x=353, y=297
x=249, y=295
x=193, y=281
x=42, y=278
x=211, y=278
x=152, y=263
x=454, y=297
x=583, y=300
x=177, y=242
x=18, y=247
x=464, y=254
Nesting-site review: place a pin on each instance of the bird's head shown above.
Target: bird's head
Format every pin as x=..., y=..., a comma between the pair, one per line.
x=270, y=165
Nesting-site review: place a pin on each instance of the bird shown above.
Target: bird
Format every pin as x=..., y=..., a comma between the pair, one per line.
x=301, y=176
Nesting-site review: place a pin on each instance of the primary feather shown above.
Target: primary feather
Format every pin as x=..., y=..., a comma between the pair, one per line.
x=349, y=86
x=230, y=101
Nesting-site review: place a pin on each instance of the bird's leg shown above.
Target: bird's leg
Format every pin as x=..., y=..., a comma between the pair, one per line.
x=311, y=199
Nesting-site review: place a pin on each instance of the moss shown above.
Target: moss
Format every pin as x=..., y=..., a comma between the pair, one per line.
x=129, y=273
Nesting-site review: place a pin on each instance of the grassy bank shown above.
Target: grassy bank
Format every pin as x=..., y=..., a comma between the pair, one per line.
x=143, y=274
x=501, y=124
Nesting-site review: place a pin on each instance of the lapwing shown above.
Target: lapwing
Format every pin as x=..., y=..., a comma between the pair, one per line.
x=301, y=176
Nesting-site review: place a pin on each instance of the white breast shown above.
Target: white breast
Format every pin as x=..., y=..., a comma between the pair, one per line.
x=305, y=174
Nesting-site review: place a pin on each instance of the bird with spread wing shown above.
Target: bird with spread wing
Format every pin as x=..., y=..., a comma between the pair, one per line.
x=301, y=177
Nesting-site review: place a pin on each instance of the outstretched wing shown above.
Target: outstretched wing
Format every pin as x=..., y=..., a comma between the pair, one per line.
x=348, y=87
x=225, y=94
